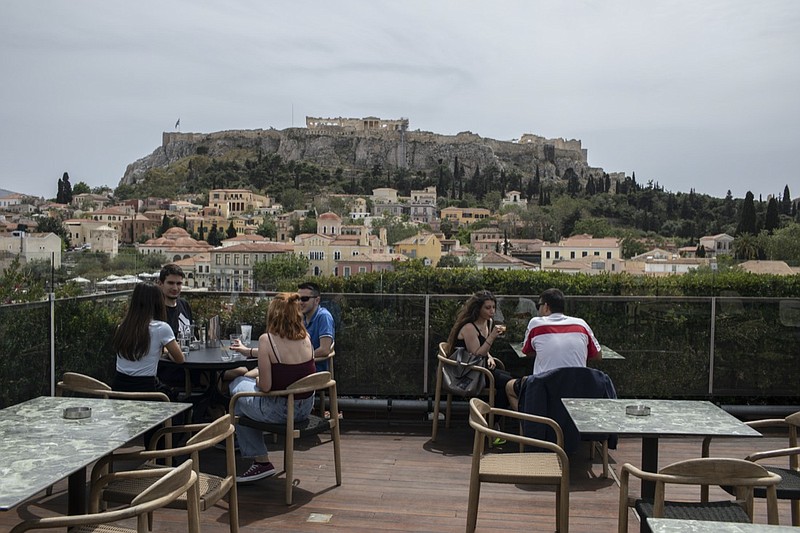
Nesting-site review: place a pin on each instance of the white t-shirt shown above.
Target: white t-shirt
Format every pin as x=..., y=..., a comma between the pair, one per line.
x=559, y=341
x=160, y=335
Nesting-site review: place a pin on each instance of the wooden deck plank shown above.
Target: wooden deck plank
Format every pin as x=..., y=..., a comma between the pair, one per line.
x=396, y=480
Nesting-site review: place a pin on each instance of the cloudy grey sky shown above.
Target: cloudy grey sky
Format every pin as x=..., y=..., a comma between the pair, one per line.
x=688, y=93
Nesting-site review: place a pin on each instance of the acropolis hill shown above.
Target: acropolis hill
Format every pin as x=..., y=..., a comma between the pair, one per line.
x=359, y=144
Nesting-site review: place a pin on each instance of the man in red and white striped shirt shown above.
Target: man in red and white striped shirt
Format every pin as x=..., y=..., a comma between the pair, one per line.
x=555, y=340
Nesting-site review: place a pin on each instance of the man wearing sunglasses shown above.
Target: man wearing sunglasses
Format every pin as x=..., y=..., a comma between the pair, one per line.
x=555, y=340
x=317, y=320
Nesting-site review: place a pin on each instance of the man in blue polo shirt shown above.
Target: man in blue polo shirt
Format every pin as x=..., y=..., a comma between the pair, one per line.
x=317, y=320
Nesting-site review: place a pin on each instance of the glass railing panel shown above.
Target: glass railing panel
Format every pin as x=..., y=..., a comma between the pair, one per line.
x=665, y=342
x=757, y=347
x=84, y=328
x=24, y=352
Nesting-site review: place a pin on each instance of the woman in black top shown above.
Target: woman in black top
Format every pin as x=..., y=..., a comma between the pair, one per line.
x=475, y=330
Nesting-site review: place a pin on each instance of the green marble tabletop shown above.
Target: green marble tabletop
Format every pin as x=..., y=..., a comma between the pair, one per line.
x=39, y=447
x=666, y=418
x=671, y=525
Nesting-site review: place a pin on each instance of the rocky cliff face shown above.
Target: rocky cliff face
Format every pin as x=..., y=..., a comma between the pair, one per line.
x=361, y=150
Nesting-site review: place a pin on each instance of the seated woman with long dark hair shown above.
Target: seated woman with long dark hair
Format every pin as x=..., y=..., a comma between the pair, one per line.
x=285, y=354
x=140, y=340
x=475, y=330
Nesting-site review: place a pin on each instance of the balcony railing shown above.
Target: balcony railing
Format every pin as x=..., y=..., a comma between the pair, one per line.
x=725, y=348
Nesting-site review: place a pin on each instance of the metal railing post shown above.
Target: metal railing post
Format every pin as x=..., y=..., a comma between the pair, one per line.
x=711, y=347
x=52, y=297
x=426, y=336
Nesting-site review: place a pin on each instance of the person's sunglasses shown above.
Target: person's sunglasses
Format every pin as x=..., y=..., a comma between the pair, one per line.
x=306, y=298
x=538, y=305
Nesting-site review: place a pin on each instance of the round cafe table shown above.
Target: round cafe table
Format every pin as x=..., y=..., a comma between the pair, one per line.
x=209, y=361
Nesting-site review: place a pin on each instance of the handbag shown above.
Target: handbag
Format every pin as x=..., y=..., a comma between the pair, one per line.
x=463, y=378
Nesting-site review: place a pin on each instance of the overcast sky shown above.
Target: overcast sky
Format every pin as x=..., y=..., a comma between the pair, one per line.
x=691, y=94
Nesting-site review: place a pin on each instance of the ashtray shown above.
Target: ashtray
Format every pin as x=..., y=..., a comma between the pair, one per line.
x=637, y=410
x=76, y=413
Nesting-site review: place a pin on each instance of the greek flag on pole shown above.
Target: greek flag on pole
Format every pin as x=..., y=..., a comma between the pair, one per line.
x=177, y=124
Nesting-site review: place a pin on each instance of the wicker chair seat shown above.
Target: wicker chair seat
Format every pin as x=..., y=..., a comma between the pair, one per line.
x=210, y=490
x=726, y=511
x=102, y=528
x=536, y=468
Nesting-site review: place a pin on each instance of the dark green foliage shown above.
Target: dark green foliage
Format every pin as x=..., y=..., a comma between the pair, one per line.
x=53, y=225
x=747, y=222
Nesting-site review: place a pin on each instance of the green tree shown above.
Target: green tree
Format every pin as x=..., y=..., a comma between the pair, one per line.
x=747, y=222
x=17, y=284
x=231, y=231
x=268, y=229
x=448, y=261
x=280, y=270
x=81, y=188
x=64, y=195
x=215, y=235
x=745, y=247
x=700, y=251
x=772, y=220
x=53, y=225
x=165, y=225
x=786, y=202
x=292, y=199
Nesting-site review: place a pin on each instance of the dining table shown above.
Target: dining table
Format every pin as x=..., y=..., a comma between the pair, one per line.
x=655, y=419
x=39, y=446
x=674, y=525
x=213, y=362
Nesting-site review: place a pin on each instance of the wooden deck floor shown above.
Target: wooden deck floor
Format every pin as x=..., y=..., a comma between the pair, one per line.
x=395, y=479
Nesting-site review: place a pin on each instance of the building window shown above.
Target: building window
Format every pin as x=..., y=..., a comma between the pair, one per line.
x=572, y=255
x=227, y=259
x=362, y=269
x=218, y=259
x=584, y=254
x=235, y=259
x=246, y=259
x=347, y=272
x=558, y=254
x=337, y=255
x=608, y=255
x=547, y=254
x=597, y=254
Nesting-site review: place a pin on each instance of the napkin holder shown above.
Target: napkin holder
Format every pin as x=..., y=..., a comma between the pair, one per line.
x=213, y=333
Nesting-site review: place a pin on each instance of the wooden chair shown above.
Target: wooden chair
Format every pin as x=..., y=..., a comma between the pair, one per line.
x=547, y=468
x=166, y=486
x=211, y=488
x=489, y=390
x=329, y=359
x=744, y=475
x=293, y=430
x=789, y=487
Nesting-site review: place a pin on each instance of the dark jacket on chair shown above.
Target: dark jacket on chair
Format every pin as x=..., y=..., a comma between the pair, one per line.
x=541, y=395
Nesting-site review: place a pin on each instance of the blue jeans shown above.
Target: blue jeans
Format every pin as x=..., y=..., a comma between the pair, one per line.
x=264, y=409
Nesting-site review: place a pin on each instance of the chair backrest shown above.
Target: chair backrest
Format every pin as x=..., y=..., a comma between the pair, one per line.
x=89, y=386
x=170, y=487
x=541, y=395
x=81, y=384
x=479, y=412
x=741, y=474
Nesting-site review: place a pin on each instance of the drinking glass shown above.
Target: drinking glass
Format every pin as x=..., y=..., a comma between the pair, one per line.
x=245, y=330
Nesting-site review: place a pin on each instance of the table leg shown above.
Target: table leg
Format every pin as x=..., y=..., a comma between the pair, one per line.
x=649, y=464
x=76, y=492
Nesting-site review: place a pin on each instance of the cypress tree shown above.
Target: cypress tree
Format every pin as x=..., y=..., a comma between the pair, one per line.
x=747, y=222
